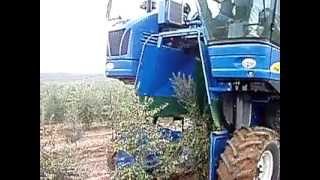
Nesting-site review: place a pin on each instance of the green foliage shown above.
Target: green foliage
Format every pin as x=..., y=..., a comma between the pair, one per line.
x=134, y=121
x=51, y=103
x=80, y=104
x=55, y=162
x=134, y=172
x=185, y=90
x=83, y=101
x=196, y=136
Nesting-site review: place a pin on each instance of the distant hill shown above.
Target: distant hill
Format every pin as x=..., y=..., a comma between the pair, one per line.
x=69, y=77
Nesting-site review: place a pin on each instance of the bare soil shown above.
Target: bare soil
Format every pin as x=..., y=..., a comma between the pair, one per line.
x=90, y=150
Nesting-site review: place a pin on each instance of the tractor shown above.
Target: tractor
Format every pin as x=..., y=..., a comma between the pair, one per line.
x=232, y=49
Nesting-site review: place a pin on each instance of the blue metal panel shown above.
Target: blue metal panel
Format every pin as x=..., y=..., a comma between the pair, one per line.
x=158, y=65
x=123, y=68
x=218, y=87
x=124, y=159
x=148, y=24
x=258, y=110
x=241, y=73
x=218, y=142
x=126, y=65
x=275, y=57
x=214, y=86
x=170, y=135
x=256, y=49
x=226, y=60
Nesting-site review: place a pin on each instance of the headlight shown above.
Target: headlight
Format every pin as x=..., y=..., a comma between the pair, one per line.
x=249, y=63
x=109, y=66
x=275, y=67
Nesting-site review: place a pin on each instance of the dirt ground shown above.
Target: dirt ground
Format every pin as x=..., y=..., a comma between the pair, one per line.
x=90, y=150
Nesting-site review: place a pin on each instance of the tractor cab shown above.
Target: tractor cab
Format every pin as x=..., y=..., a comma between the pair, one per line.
x=241, y=19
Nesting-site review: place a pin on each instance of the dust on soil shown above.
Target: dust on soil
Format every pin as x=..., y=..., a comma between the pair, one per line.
x=91, y=150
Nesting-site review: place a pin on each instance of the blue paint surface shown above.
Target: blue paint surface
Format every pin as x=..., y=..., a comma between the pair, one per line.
x=275, y=57
x=170, y=135
x=258, y=110
x=151, y=159
x=124, y=159
x=123, y=68
x=158, y=66
x=218, y=142
x=226, y=61
x=126, y=65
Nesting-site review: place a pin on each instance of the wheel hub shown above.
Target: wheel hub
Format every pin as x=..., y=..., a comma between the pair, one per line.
x=265, y=166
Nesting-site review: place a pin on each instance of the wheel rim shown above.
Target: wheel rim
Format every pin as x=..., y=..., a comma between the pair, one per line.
x=265, y=166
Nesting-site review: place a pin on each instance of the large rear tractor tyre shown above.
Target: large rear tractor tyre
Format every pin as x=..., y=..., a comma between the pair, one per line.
x=252, y=154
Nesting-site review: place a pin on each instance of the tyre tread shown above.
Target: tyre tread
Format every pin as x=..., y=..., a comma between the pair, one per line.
x=242, y=152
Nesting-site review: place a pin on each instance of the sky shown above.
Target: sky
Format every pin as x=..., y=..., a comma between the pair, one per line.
x=72, y=36
x=73, y=33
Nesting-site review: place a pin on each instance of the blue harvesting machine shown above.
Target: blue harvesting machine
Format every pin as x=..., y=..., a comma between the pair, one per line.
x=234, y=47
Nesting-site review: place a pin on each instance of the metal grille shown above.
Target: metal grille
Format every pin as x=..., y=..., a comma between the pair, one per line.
x=114, y=41
x=125, y=43
x=153, y=40
x=175, y=12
